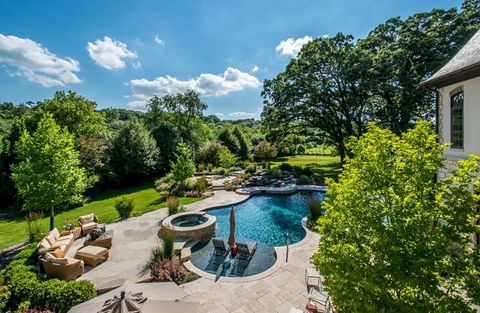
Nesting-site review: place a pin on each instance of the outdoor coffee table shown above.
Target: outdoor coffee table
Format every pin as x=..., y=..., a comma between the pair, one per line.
x=92, y=255
x=105, y=240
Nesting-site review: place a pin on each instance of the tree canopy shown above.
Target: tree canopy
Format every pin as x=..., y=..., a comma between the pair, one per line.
x=183, y=167
x=394, y=239
x=48, y=174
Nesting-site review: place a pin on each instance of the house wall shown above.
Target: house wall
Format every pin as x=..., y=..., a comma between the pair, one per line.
x=471, y=126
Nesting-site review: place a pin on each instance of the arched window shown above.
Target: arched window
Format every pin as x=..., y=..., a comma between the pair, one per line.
x=456, y=120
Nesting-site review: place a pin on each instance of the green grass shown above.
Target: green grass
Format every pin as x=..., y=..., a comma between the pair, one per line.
x=13, y=227
x=325, y=166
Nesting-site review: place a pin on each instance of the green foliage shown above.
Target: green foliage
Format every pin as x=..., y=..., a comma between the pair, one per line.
x=183, y=167
x=168, y=239
x=286, y=167
x=315, y=207
x=74, y=112
x=265, y=151
x=251, y=169
x=174, y=206
x=34, y=227
x=4, y=297
x=275, y=173
x=229, y=140
x=61, y=295
x=201, y=184
x=219, y=171
x=243, y=145
x=48, y=173
x=394, y=239
x=134, y=153
x=303, y=179
x=167, y=137
x=226, y=158
x=209, y=153
x=124, y=206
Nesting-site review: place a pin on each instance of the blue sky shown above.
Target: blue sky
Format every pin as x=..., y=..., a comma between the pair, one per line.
x=119, y=53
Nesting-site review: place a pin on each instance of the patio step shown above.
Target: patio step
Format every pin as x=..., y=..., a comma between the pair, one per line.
x=186, y=252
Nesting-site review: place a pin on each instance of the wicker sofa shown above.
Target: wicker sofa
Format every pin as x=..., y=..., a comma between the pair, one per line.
x=88, y=223
x=61, y=267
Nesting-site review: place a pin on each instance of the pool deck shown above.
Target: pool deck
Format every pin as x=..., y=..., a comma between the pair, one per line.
x=275, y=290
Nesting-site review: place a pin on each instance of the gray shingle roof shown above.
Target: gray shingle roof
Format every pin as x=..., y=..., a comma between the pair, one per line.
x=465, y=60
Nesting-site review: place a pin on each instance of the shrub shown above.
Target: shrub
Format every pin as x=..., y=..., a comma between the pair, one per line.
x=209, y=153
x=201, y=184
x=4, y=297
x=234, y=169
x=168, y=239
x=252, y=168
x=173, y=204
x=315, y=207
x=191, y=194
x=34, y=228
x=191, y=276
x=124, y=206
x=201, y=167
x=168, y=271
x=61, y=295
x=303, y=179
x=226, y=158
x=164, y=184
x=275, y=173
x=156, y=255
x=219, y=171
x=307, y=171
x=23, y=284
x=285, y=167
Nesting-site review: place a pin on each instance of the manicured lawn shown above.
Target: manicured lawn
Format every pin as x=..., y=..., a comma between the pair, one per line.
x=13, y=228
x=326, y=166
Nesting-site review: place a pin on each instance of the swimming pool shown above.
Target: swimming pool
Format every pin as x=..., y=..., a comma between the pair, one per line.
x=266, y=218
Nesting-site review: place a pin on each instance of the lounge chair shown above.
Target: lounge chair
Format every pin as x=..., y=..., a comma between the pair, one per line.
x=246, y=250
x=88, y=223
x=322, y=299
x=220, y=247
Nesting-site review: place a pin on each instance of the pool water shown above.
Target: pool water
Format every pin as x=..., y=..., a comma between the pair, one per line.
x=267, y=218
x=189, y=220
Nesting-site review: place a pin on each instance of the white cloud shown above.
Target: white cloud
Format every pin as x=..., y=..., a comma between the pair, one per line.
x=219, y=114
x=242, y=114
x=110, y=54
x=159, y=41
x=136, y=64
x=34, y=62
x=254, y=69
x=206, y=85
x=292, y=46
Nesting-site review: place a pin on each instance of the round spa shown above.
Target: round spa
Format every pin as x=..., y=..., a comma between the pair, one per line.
x=191, y=225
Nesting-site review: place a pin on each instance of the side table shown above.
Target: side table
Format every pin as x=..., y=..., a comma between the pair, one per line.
x=76, y=231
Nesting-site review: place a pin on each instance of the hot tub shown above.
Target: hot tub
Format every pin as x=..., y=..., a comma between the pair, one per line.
x=191, y=225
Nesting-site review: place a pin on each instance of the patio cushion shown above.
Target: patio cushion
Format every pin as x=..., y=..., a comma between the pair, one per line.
x=62, y=245
x=66, y=237
x=55, y=233
x=44, y=244
x=85, y=219
x=58, y=253
x=51, y=238
x=89, y=225
x=49, y=257
x=92, y=251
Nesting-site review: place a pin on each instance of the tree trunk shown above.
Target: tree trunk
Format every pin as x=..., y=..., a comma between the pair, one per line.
x=52, y=218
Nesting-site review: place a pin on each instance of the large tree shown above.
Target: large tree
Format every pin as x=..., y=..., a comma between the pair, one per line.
x=48, y=173
x=134, y=153
x=394, y=239
x=183, y=167
x=404, y=53
x=325, y=89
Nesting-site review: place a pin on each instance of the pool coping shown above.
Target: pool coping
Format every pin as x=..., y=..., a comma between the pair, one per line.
x=280, y=251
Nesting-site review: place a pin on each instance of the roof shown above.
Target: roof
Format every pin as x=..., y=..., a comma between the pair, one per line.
x=464, y=65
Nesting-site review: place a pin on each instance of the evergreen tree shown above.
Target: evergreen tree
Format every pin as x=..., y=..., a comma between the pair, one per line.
x=243, y=145
x=228, y=140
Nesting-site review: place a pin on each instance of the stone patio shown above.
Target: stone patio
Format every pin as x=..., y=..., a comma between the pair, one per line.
x=280, y=289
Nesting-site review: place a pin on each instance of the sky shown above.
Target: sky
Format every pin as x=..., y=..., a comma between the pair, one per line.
x=119, y=53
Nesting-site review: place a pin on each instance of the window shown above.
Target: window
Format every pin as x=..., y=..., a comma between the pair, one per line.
x=456, y=120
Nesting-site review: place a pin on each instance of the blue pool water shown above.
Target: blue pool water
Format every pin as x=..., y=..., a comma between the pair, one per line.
x=266, y=218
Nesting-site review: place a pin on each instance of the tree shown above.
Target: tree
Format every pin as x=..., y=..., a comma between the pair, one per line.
x=134, y=153
x=325, y=89
x=167, y=137
x=265, y=151
x=404, y=53
x=183, y=167
x=74, y=112
x=243, y=145
x=48, y=174
x=182, y=109
x=226, y=158
x=394, y=239
x=228, y=140
x=208, y=154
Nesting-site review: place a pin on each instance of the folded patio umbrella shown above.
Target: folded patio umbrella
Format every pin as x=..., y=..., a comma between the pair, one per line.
x=136, y=298
x=231, y=237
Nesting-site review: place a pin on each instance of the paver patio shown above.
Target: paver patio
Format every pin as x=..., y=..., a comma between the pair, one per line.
x=135, y=237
